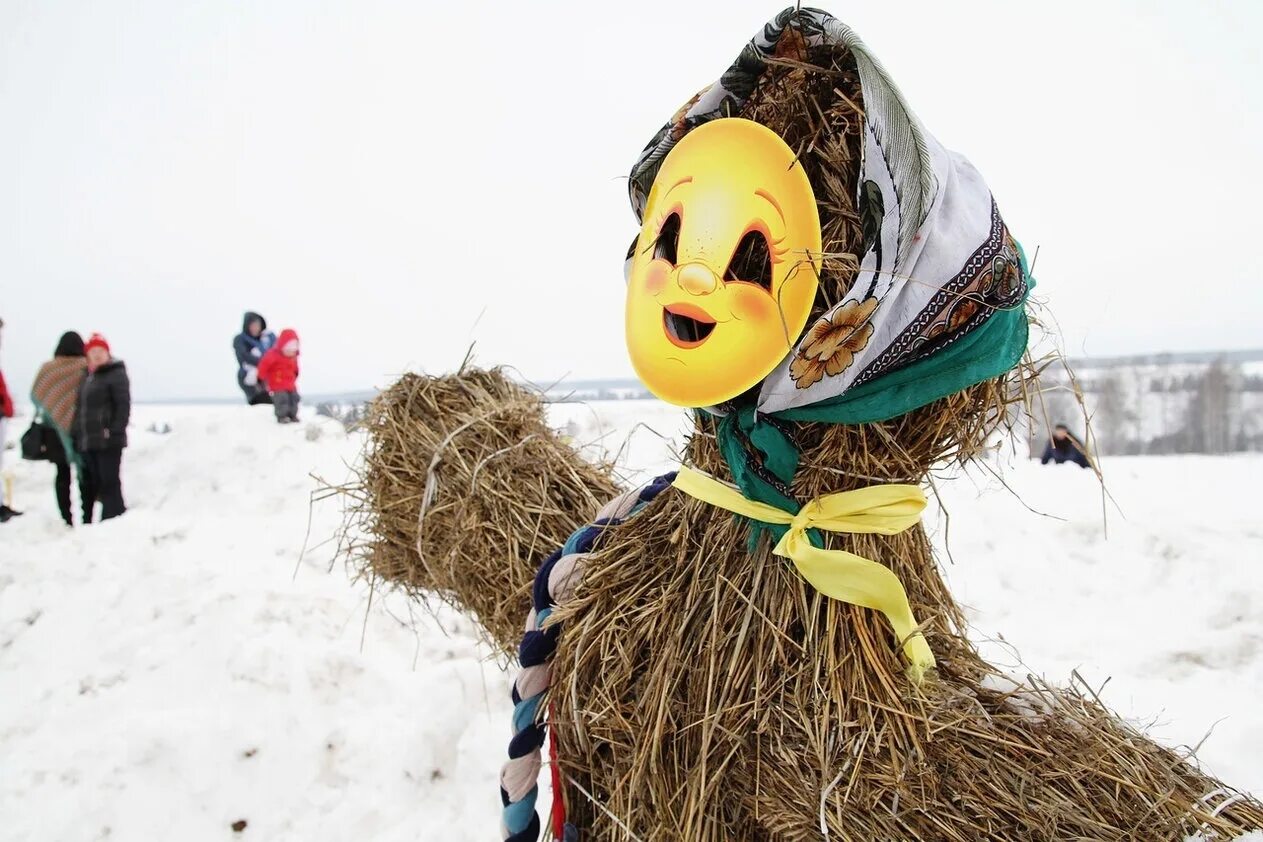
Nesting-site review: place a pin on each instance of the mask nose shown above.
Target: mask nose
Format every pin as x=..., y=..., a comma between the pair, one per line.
x=697, y=279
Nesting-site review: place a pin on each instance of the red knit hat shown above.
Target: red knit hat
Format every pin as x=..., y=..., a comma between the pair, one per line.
x=96, y=341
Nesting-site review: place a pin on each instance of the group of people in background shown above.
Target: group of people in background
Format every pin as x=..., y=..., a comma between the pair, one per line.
x=82, y=399
x=267, y=366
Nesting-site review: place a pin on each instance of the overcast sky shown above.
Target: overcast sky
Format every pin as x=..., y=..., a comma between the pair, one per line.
x=396, y=180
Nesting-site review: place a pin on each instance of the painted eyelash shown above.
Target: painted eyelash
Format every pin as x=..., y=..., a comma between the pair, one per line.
x=660, y=219
x=775, y=250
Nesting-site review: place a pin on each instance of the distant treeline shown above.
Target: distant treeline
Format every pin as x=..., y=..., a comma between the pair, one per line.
x=1153, y=404
x=1158, y=407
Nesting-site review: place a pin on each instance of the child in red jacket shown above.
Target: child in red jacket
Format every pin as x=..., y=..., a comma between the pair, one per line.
x=278, y=370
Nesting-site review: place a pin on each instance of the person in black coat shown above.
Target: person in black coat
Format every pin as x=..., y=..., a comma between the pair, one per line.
x=105, y=406
x=1064, y=447
x=249, y=346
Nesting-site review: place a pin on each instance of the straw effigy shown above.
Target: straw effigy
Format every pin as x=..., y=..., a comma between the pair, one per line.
x=463, y=486
x=703, y=690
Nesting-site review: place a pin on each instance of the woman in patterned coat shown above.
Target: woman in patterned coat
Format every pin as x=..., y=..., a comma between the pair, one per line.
x=56, y=395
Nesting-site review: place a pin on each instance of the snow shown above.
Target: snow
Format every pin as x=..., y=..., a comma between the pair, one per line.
x=179, y=669
x=1252, y=836
x=183, y=668
x=1156, y=589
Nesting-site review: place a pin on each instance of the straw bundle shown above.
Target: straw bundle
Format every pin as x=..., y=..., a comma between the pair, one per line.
x=463, y=487
x=702, y=692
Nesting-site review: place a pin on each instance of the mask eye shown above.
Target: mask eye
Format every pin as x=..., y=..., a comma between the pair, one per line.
x=666, y=247
x=751, y=262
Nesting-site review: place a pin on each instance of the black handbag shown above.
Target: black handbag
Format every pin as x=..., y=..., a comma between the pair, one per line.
x=35, y=442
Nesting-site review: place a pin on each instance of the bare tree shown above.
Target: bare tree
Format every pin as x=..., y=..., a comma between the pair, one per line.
x=1211, y=426
x=1114, y=415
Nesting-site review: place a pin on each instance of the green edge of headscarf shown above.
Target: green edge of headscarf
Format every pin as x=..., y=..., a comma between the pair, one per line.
x=989, y=351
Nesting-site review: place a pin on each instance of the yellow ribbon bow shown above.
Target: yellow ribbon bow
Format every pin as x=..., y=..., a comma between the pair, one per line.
x=880, y=509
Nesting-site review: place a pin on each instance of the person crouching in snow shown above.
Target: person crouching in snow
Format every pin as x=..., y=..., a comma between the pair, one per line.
x=1064, y=446
x=279, y=370
x=249, y=346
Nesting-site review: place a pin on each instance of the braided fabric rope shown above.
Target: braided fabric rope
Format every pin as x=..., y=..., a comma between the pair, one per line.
x=554, y=583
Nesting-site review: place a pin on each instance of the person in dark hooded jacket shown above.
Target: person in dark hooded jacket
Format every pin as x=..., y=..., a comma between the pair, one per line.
x=249, y=346
x=105, y=406
x=1063, y=446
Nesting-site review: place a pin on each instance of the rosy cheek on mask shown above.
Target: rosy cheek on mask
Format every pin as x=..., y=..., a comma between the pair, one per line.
x=656, y=277
x=751, y=305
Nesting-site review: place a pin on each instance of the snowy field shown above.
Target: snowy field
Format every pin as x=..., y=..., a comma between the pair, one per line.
x=184, y=673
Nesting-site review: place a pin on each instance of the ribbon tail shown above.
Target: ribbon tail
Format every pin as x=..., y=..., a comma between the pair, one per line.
x=845, y=576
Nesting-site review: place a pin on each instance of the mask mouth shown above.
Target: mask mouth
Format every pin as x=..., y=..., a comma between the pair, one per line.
x=686, y=326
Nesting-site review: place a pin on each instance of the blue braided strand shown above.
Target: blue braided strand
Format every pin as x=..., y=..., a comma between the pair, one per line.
x=537, y=648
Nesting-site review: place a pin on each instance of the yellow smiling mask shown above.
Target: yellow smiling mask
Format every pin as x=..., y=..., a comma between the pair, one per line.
x=724, y=273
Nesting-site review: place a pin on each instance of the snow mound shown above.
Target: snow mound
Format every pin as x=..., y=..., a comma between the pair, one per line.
x=178, y=670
